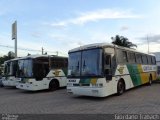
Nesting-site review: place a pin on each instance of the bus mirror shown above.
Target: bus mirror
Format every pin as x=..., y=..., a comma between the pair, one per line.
x=107, y=59
x=108, y=77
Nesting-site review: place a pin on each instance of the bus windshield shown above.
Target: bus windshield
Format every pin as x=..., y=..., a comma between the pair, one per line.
x=85, y=63
x=7, y=67
x=25, y=68
x=74, y=64
x=33, y=68
x=10, y=68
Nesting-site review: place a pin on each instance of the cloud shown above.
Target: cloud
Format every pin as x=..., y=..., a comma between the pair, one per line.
x=97, y=15
x=154, y=47
x=4, y=9
x=151, y=38
x=58, y=37
x=124, y=28
x=36, y=34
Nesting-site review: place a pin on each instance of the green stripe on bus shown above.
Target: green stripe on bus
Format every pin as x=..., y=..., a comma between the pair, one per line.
x=65, y=70
x=85, y=81
x=135, y=74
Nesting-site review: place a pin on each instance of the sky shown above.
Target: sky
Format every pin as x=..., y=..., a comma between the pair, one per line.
x=61, y=25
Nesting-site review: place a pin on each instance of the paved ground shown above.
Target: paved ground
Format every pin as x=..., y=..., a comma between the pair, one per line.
x=144, y=99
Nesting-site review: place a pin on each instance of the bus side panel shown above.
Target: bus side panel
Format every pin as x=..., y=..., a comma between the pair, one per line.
x=154, y=75
x=122, y=72
x=60, y=75
x=134, y=72
x=139, y=73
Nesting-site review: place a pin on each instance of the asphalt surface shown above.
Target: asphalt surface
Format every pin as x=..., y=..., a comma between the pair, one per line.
x=144, y=99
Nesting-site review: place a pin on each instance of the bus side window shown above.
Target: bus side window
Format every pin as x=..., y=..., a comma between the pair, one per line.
x=131, y=57
x=153, y=60
x=149, y=60
x=138, y=59
x=122, y=56
x=125, y=59
x=144, y=59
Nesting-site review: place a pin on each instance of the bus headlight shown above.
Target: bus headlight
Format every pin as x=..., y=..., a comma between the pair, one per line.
x=69, y=84
x=97, y=85
x=30, y=82
x=100, y=84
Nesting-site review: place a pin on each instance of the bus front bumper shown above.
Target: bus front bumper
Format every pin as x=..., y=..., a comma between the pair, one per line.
x=9, y=83
x=88, y=91
x=27, y=86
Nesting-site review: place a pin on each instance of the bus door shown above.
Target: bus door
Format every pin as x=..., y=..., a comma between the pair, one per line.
x=107, y=66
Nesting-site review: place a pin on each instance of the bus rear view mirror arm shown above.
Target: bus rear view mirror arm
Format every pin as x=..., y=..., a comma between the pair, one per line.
x=108, y=77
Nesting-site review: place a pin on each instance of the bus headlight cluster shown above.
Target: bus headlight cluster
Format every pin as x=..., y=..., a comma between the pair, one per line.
x=100, y=84
x=69, y=84
x=30, y=82
x=97, y=85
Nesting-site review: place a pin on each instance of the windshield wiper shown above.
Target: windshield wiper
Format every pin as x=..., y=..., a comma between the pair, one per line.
x=77, y=67
x=84, y=65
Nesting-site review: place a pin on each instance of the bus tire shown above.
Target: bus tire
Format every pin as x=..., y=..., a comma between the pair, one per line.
x=120, y=87
x=150, y=80
x=53, y=85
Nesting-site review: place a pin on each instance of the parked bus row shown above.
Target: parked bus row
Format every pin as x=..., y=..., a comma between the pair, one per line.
x=37, y=72
x=92, y=70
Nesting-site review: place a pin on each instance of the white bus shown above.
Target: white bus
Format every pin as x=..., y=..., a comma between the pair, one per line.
x=10, y=69
x=41, y=72
x=2, y=74
x=103, y=69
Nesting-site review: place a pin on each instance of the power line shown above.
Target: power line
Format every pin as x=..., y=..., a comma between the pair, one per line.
x=33, y=50
x=7, y=46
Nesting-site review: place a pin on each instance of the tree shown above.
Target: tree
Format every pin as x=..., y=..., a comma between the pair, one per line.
x=11, y=55
x=122, y=41
x=7, y=57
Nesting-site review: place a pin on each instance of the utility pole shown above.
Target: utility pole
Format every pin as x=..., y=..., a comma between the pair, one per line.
x=42, y=50
x=14, y=36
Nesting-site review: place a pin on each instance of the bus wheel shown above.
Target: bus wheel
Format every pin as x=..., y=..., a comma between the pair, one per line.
x=120, y=87
x=53, y=85
x=150, y=80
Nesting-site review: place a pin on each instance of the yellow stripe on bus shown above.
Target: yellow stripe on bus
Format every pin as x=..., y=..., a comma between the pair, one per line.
x=144, y=76
x=93, y=81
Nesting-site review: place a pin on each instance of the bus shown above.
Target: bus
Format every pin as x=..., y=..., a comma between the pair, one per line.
x=10, y=69
x=40, y=72
x=1, y=74
x=103, y=69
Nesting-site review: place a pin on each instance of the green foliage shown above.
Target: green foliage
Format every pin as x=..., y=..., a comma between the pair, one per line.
x=5, y=58
x=122, y=41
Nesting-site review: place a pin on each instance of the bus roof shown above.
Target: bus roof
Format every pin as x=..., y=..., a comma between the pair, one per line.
x=33, y=57
x=14, y=59
x=90, y=46
x=102, y=45
x=40, y=56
